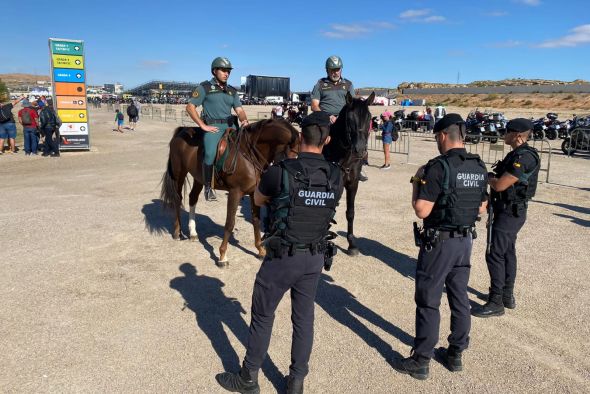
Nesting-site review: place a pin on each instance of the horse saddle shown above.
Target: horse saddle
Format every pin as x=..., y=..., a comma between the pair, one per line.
x=227, y=144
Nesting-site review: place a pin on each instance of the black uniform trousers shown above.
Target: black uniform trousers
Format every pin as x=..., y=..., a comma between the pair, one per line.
x=300, y=273
x=501, y=260
x=50, y=145
x=446, y=265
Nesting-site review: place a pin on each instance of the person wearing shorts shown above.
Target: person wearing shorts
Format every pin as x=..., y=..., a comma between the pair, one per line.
x=8, y=125
x=387, y=138
x=119, y=120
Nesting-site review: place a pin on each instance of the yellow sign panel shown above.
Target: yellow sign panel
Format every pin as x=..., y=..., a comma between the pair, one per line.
x=68, y=61
x=72, y=115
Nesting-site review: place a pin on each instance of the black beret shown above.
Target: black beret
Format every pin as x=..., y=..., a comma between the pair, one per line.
x=446, y=121
x=319, y=118
x=519, y=125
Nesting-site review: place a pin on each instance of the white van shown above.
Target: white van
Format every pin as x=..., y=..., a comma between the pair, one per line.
x=274, y=99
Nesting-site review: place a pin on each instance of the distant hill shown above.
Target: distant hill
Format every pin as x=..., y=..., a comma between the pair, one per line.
x=503, y=82
x=14, y=81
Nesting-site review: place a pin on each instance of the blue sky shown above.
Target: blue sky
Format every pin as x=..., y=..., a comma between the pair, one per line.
x=382, y=43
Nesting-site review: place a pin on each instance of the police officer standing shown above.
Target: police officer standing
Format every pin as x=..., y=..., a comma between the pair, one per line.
x=329, y=93
x=512, y=184
x=217, y=98
x=448, y=193
x=302, y=195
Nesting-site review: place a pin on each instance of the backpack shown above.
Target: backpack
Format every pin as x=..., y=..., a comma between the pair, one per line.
x=5, y=115
x=395, y=135
x=120, y=116
x=26, y=117
x=132, y=110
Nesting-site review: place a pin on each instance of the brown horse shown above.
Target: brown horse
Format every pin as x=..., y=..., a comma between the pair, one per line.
x=253, y=149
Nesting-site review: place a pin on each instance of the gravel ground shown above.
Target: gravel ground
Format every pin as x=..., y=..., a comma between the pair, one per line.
x=97, y=297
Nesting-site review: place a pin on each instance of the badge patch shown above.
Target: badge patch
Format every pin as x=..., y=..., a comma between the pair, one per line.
x=517, y=165
x=195, y=94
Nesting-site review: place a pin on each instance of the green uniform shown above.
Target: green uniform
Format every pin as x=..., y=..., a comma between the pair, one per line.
x=332, y=95
x=217, y=103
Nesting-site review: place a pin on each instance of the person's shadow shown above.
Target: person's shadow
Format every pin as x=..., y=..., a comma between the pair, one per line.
x=159, y=220
x=204, y=296
x=344, y=307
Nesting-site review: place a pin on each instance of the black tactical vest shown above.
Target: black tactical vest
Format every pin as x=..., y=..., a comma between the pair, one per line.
x=464, y=183
x=526, y=186
x=310, y=191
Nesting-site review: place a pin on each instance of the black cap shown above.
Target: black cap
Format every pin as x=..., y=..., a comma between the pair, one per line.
x=446, y=121
x=519, y=125
x=319, y=118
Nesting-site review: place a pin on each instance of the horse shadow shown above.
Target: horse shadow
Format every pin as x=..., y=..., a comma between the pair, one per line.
x=160, y=221
x=344, y=307
x=213, y=310
x=575, y=208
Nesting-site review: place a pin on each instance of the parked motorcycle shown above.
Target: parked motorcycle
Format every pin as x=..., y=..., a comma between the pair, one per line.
x=578, y=140
x=474, y=126
x=538, y=129
x=398, y=119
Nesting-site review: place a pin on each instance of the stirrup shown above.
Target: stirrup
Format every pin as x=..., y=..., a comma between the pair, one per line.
x=210, y=194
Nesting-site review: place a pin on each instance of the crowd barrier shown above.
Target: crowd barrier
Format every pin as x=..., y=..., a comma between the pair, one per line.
x=578, y=142
x=399, y=147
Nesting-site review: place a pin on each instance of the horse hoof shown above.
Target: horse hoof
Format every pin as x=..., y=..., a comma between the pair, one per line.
x=222, y=264
x=176, y=237
x=353, y=251
x=193, y=238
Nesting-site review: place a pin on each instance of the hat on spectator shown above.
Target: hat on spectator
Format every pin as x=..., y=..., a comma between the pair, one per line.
x=318, y=118
x=386, y=115
x=26, y=103
x=519, y=125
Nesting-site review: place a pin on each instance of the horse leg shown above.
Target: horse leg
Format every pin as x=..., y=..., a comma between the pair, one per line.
x=193, y=197
x=256, y=223
x=230, y=220
x=177, y=225
x=350, y=196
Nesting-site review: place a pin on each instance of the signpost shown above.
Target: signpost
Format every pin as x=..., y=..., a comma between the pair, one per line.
x=69, y=92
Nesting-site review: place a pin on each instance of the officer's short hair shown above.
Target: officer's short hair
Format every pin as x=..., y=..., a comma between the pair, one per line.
x=315, y=135
x=452, y=125
x=454, y=132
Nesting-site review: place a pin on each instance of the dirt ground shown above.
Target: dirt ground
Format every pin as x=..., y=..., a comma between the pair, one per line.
x=97, y=297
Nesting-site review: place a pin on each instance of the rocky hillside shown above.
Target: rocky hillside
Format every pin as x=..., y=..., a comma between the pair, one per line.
x=504, y=82
x=13, y=81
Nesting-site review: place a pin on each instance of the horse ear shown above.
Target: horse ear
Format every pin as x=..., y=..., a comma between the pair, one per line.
x=348, y=98
x=371, y=98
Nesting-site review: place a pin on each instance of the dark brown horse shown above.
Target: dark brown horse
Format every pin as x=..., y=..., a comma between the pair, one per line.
x=347, y=148
x=254, y=148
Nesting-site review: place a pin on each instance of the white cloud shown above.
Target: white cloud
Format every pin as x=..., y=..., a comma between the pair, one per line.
x=580, y=35
x=507, y=44
x=151, y=64
x=343, y=31
x=412, y=14
x=533, y=3
x=423, y=15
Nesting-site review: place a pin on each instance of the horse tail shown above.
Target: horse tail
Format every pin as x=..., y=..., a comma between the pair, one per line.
x=168, y=193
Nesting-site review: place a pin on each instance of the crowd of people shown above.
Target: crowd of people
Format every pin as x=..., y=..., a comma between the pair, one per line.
x=40, y=127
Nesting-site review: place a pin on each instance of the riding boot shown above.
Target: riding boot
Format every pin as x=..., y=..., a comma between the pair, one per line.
x=207, y=176
x=494, y=307
x=244, y=382
x=508, y=297
x=294, y=385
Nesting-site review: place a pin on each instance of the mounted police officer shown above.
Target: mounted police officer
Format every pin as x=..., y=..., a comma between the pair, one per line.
x=302, y=195
x=512, y=184
x=217, y=98
x=329, y=93
x=449, y=193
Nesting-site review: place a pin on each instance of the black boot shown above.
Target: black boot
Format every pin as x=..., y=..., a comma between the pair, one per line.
x=242, y=382
x=452, y=358
x=207, y=176
x=508, y=297
x=294, y=385
x=416, y=368
x=494, y=307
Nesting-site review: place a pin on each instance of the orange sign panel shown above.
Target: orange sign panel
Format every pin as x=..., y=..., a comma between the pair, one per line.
x=70, y=102
x=70, y=89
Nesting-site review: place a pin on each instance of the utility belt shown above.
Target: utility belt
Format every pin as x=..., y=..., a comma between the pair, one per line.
x=430, y=237
x=517, y=208
x=276, y=247
x=230, y=120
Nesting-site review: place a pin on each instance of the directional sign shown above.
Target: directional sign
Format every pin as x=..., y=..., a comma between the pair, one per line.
x=71, y=102
x=68, y=75
x=74, y=128
x=72, y=115
x=67, y=48
x=67, y=61
x=70, y=89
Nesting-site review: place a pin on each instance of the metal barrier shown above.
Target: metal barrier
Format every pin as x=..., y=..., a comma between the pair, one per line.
x=263, y=115
x=157, y=113
x=490, y=153
x=170, y=114
x=418, y=126
x=146, y=110
x=186, y=120
x=399, y=147
x=578, y=142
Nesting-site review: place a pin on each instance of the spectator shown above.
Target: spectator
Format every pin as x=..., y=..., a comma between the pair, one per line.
x=429, y=118
x=119, y=120
x=8, y=125
x=387, y=138
x=138, y=106
x=439, y=112
x=279, y=112
x=132, y=112
x=29, y=119
x=48, y=123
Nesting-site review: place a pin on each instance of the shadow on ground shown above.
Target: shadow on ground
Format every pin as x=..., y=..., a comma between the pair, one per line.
x=160, y=221
x=204, y=296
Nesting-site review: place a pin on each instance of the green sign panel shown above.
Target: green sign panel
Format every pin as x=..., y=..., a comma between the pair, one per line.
x=67, y=48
